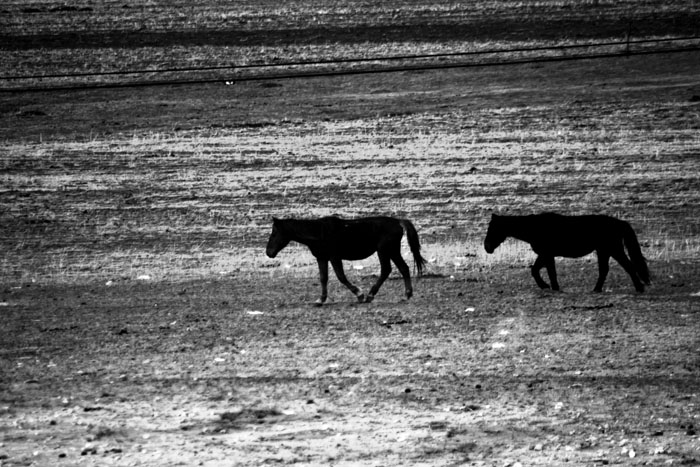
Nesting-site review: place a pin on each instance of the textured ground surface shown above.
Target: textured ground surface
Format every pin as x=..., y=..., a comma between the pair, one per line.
x=143, y=325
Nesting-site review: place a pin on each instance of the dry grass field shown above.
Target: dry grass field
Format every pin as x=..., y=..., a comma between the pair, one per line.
x=144, y=325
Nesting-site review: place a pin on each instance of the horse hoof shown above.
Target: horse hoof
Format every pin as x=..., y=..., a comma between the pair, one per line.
x=369, y=298
x=318, y=302
x=361, y=298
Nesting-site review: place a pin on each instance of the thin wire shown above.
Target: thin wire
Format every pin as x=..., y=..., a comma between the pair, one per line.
x=347, y=60
x=332, y=73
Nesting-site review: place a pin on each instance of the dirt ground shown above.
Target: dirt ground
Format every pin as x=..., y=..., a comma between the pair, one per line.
x=479, y=370
x=143, y=325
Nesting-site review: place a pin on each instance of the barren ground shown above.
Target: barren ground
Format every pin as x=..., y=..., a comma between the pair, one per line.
x=143, y=325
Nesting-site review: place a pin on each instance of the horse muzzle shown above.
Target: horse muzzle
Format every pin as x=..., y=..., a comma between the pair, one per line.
x=489, y=248
x=271, y=252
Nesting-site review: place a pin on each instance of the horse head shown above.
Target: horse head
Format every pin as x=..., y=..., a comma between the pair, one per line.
x=495, y=234
x=278, y=240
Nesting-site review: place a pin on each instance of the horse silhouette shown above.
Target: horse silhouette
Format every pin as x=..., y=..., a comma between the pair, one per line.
x=551, y=235
x=334, y=239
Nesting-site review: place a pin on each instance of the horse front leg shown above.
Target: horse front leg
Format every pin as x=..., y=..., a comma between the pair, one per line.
x=627, y=265
x=552, y=273
x=340, y=273
x=323, y=275
x=540, y=262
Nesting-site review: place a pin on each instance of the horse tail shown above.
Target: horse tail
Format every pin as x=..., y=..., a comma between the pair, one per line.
x=635, y=252
x=414, y=244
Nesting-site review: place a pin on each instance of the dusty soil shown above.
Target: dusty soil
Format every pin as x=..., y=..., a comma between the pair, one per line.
x=143, y=325
x=477, y=369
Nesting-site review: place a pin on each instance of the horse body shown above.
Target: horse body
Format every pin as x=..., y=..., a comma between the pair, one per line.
x=333, y=239
x=557, y=235
x=552, y=235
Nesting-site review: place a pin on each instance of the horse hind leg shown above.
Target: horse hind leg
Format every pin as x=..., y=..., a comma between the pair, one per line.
x=340, y=273
x=603, y=268
x=540, y=262
x=405, y=272
x=323, y=276
x=385, y=262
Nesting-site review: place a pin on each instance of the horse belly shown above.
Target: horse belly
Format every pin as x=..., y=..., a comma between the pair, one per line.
x=587, y=241
x=567, y=249
x=573, y=252
x=356, y=254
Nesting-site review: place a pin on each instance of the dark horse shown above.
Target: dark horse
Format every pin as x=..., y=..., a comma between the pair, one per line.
x=553, y=235
x=335, y=239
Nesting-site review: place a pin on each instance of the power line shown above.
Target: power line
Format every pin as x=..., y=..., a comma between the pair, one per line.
x=338, y=61
x=347, y=72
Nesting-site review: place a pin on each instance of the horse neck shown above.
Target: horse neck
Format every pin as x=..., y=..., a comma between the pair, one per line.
x=519, y=227
x=302, y=230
